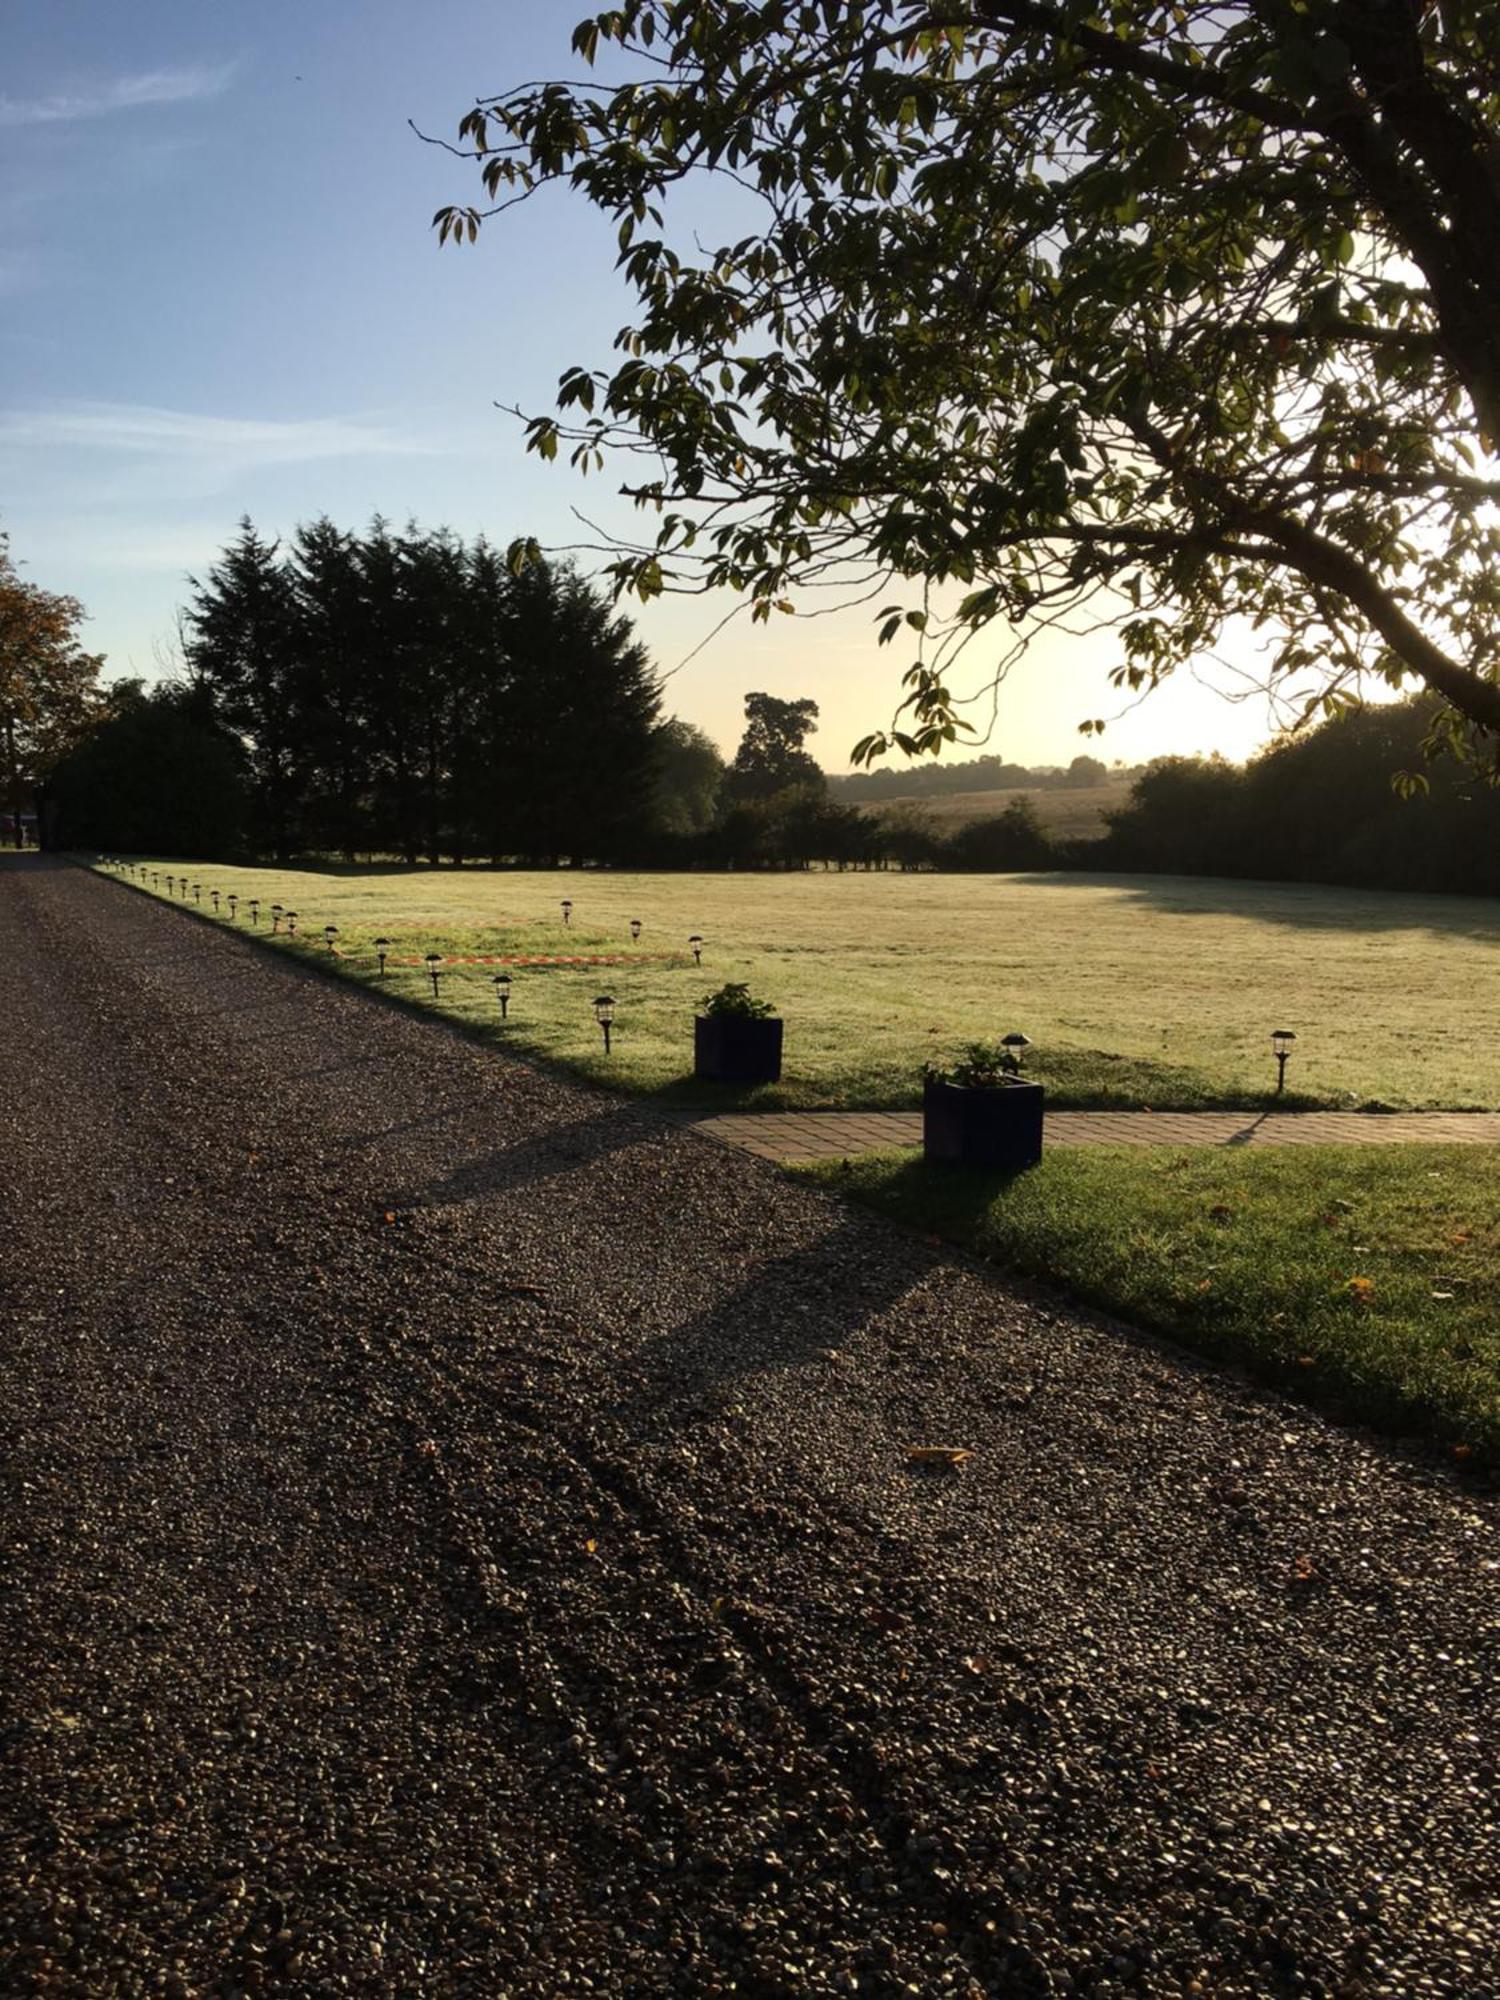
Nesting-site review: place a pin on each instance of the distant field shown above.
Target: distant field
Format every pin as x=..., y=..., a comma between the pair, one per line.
x=1136, y=990
x=1076, y=815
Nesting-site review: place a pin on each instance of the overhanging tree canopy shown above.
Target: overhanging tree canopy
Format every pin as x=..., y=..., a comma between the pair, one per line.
x=1169, y=312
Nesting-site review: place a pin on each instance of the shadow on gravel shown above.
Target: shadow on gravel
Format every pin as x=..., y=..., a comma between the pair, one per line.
x=549, y=1154
x=787, y=1311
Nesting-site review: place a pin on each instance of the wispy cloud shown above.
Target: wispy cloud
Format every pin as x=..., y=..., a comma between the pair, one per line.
x=120, y=93
x=228, y=444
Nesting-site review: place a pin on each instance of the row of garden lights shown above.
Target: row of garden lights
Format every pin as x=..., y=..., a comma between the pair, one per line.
x=330, y=931
x=604, y=1004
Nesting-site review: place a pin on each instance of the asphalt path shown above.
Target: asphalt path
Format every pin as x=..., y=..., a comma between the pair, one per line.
x=459, y=1535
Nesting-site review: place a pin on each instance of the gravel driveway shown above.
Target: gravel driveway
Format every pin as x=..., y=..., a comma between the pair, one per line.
x=458, y=1539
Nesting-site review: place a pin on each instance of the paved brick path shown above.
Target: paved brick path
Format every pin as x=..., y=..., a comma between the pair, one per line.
x=812, y=1135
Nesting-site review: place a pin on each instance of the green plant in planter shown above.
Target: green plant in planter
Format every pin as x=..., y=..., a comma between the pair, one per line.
x=734, y=1003
x=979, y=1066
x=736, y=1039
x=979, y=1112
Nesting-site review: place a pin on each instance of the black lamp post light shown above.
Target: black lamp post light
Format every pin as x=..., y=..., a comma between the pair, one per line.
x=255, y=913
x=635, y=930
x=277, y=913
x=434, y=963
x=171, y=884
x=213, y=896
x=567, y=910
x=330, y=932
x=234, y=908
x=604, y=1014
x=382, y=946
x=1281, y=1045
x=197, y=893
x=291, y=923
x=695, y=946
x=502, y=994
x=1015, y=1046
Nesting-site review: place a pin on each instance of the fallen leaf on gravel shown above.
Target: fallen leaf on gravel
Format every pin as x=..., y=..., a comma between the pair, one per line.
x=390, y=1215
x=1462, y=1452
x=936, y=1454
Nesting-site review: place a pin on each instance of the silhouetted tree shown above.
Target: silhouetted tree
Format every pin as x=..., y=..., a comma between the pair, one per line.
x=241, y=636
x=1014, y=839
x=162, y=775
x=771, y=757
x=689, y=778
x=408, y=694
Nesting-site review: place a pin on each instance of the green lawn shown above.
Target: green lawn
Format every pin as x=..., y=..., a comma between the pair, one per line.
x=1136, y=990
x=1364, y=1279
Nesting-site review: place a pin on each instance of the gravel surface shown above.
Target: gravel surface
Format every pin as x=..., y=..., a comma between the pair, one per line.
x=459, y=1539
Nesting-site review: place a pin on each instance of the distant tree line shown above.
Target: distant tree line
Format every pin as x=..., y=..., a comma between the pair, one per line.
x=404, y=694
x=970, y=774
x=1324, y=805
x=1317, y=807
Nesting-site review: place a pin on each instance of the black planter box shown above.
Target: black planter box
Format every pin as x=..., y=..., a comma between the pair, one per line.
x=992, y=1127
x=730, y=1048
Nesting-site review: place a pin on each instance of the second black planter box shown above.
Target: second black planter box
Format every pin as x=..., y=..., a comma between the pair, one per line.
x=736, y=1049
x=999, y=1126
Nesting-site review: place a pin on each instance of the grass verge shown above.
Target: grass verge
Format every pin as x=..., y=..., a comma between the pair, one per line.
x=1136, y=992
x=1362, y=1280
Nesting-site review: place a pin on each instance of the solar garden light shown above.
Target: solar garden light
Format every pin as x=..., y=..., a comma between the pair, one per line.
x=330, y=932
x=434, y=961
x=382, y=946
x=1281, y=1044
x=604, y=1014
x=155, y=879
x=255, y=912
x=291, y=923
x=1014, y=1046
x=214, y=897
x=635, y=930
x=276, y=916
x=171, y=883
x=695, y=946
x=502, y=994
x=234, y=908
x=197, y=892
x=567, y=910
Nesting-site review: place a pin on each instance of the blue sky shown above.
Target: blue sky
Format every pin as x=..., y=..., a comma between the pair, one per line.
x=219, y=294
